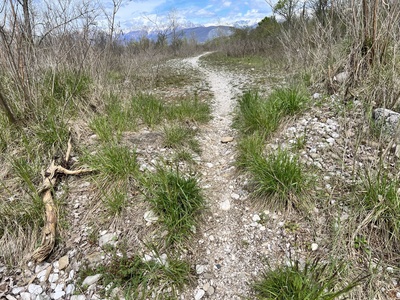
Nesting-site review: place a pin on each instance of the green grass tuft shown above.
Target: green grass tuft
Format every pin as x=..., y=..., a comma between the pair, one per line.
x=279, y=179
x=177, y=200
x=189, y=110
x=381, y=203
x=148, y=108
x=112, y=161
x=314, y=282
x=141, y=279
x=249, y=148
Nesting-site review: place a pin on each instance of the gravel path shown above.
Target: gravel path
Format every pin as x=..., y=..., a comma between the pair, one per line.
x=230, y=243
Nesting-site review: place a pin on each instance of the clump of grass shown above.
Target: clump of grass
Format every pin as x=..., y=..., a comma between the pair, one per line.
x=177, y=200
x=115, y=200
x=189, y=110
x=148, y=108
x=279, y=179
x=249, y=148
x=179, y=136
x=264, y=115
x=140, y=279
x=116, y=120
x=289, y=100
x=256, y=114
x=381, y=203
x=113, y=161
x=314, y=281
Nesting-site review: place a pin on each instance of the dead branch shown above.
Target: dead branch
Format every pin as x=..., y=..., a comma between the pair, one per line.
x=49, y=181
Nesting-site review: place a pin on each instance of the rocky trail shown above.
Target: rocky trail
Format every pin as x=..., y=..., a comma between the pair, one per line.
x=233, y=240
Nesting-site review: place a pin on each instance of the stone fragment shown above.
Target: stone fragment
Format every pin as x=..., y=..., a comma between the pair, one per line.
x=78, y=297
x=200, y=293
x=17, y=290
x=109, y=238
x=314, y=247
x=53, y=277
x=94, y=258
x=150, y=217
x=70, y=289
x=91, y=279
x=63, y=262
x=9, y=297
x=25, y=296
x=210, y=291
x=200, y=269
x=35, y=289
x=226, y=139
x=42, y=267
x=57, y=295
x=42, y=297
x=225, y=205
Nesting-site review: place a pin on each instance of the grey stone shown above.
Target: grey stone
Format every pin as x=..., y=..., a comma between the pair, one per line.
x=200, y=293
x=42, y=297
x=57, y=295
x=9, y=297
x=91, y=279
x=53, y=277
x=25, y=296
x=35, y=289
x=109, y=238
x=200, y=269
x=70, y=289
x=78, y=297
x=341, y=77
x=389, y=118
x=17, y=290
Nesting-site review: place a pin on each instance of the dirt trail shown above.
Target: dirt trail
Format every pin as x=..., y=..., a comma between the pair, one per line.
x=222, y=259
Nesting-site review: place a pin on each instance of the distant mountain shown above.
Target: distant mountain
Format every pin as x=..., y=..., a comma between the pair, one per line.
x=201, y=34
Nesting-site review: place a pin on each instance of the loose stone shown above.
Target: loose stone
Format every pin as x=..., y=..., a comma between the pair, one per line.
x=200, y=293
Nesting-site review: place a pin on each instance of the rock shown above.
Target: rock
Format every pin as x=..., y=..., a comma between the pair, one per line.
x=109, y=238
x=94, y=258
x=316, y=96
x=41, y=267
x=256, y=218
x=9, y=297
x=210, y=291
x=78, y=297
x=42, y=297
x=341, y=77
x=226, y=139
x=200, y=293
x=150, y=217
x=91, y=279
x=35, y=289
x=225, y=205
x=200, y=269
x=314, y=247
x=25, y=296
x=63, y=262
x=17, y=290
x=235, y=196
x=398, y=295
x=70, y=289
x=389, y=118
x=57, y=295
x=53, y=277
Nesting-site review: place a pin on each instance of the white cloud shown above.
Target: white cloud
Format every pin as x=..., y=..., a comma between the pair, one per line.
x=227, y=3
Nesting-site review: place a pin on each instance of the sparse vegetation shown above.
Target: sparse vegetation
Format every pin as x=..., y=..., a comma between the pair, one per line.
x=314, y=280
x=178, y=201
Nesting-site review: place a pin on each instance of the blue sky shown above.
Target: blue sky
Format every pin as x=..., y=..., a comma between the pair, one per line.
x=153, y=14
